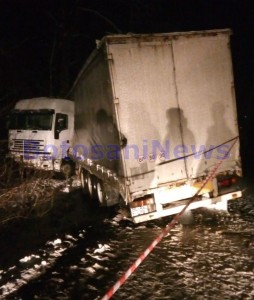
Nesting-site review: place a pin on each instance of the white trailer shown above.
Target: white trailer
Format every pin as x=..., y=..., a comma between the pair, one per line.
x=40, y=132
x=154, y=113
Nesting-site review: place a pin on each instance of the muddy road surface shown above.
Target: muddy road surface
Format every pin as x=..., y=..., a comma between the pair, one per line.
x=77, y=251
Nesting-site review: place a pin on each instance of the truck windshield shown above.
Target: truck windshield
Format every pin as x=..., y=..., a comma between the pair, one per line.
x=31, y=120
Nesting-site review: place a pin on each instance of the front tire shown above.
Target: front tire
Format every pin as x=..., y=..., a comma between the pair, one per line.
x=68, y=169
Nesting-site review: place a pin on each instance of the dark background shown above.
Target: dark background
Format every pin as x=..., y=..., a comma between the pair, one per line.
x=43, y=44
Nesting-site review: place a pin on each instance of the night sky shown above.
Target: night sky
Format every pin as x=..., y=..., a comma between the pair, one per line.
x=43, y=44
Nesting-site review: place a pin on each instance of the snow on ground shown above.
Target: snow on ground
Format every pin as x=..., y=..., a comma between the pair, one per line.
x=211, y=259
x=32, y=266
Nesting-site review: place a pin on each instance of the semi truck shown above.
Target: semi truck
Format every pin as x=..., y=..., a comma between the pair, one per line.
x=40, y=132
x=154, y=114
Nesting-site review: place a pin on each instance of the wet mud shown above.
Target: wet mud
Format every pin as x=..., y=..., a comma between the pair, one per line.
x=79, y=251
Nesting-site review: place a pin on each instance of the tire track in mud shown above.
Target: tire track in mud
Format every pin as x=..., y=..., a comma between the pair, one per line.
x=86, y=251
x=27, y=243
x=33, y=271
x=212, y=259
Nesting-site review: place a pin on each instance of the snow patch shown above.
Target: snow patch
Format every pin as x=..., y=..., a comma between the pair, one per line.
x=102, y=248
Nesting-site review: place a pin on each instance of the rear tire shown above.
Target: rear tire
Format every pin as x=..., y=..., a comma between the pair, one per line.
x=99, y=192
x=187, y=218
x=87, y=183
x=93, y=187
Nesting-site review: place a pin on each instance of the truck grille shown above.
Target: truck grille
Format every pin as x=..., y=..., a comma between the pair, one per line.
x=28, y=146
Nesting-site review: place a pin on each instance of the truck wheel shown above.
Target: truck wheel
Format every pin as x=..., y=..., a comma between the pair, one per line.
x=87, y=183
x=99, y=192
x=68, y=169
x=93, y=187
x=187, y=218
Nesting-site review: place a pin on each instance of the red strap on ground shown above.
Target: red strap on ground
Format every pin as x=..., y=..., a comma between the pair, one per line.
x=164, y=232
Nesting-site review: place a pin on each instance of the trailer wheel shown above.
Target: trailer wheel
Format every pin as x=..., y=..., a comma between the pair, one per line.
x=83, y=180
x=91, y=185
x=87, y=183
x=99, y=192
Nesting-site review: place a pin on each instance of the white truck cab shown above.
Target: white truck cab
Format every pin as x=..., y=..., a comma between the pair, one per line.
x=40, y=132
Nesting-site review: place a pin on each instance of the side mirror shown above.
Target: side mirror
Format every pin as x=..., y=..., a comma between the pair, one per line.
x=60, y=124
x=56, y=134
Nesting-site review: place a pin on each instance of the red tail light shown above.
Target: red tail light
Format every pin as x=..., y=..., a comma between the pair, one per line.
x=227, y=182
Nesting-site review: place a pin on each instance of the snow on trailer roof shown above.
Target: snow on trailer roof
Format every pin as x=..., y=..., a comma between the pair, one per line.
x=149, y=37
